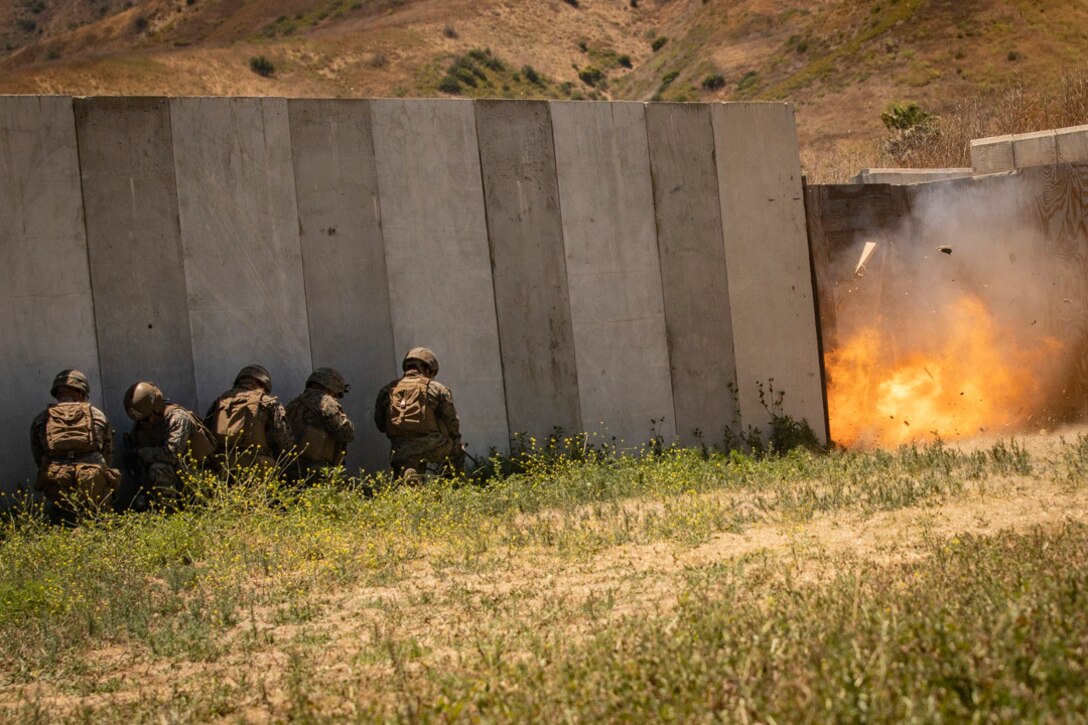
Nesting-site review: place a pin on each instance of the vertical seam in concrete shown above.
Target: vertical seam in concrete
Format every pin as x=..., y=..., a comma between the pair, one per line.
x=87, y=251
x=816, y=313
x=381, y=229
x=725, y=262
x=171, y=104
x=566, y=275
x=298, y=228
x=660, y=268
x=491, y=266
x=294, y=198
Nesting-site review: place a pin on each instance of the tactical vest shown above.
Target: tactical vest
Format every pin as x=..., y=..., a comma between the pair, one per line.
x=314, y=443
x=410, y=410
x=69, y=431
x=241, y=421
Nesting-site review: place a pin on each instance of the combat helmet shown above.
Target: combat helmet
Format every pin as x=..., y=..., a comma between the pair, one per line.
x=256, y=373
x=330, y=379
x=72, y=379
x=143, y=399
x=423, y=355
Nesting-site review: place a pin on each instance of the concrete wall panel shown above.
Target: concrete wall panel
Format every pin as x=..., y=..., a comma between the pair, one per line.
x=1072, y=144
x=693, y=274
x=766, y=251
x=343, y=255
x=436, y=252
x=1035, y=149
x=992, y=155
x=134, y=247
x=239, y=232
x=521, y=189
x=46, y=309
x=614, y=277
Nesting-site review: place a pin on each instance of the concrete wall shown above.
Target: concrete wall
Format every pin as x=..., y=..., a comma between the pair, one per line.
x=693, y=270
x=611, y=267
x=343, y=253
x=46, y=309
x=239, y=233
x=900, y=177
x=134, y=247
x=1019, y=151
x=603, y=163
x=770, y=275
x=525, y=231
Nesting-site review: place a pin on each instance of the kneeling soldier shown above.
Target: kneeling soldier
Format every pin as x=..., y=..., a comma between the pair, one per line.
x=72, y=443
x=416, y=412
x=321, y=428
x=250, y=425
x=165, y=439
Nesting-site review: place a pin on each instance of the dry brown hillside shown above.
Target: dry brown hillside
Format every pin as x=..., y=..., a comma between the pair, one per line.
x=841, y=61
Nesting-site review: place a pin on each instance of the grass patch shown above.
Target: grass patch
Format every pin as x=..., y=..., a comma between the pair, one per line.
x=253, y=566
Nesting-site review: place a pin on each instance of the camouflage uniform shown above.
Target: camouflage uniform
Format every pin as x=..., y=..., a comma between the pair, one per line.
x=316, y=412
x=78, y=479
x=428, y=450
x=163, y=448
x=276, y=434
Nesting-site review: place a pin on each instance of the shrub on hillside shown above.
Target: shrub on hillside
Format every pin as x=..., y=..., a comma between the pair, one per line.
x=262, y=66
x=714, y=82
x=659, y=43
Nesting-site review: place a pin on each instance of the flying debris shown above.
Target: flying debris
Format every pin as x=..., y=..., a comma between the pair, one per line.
x=866, y=253
x=944, y=249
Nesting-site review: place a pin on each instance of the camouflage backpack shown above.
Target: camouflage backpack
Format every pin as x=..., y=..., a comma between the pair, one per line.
x=240, y=422
x=201, y=442
x=410, y=411
x=69, y=430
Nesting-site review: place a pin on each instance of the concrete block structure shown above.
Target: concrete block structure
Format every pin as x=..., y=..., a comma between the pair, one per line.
x=343, y=254
x=770, y=275
x=1072, y=144
x=693, y=270
x=134, y=248
x=1035, y=149
x=626, y=269
x=899, y=177
x=992, y=155
x=239, y=233
x=46, y=307
x=614, y=278
x=525, y=232
x=437, y=255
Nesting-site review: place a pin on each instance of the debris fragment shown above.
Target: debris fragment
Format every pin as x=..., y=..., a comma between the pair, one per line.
x=944, y=249
x=866, y=253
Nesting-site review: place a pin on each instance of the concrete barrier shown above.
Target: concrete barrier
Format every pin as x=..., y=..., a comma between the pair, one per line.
x=46, y=310
x=603, y=164
x=1035, y=149
x=437, y=256
x=1072, y=144
x=525, y=230
x=239, y=232
x=766, y=255
x=899, y=177
x=693, y=273
x=134, y=247
x=992, y=155
x=343, y=254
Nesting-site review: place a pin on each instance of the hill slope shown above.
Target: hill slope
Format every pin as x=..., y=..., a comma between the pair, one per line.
x=840, y=61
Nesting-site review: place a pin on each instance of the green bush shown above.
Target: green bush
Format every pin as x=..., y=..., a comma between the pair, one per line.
x=714, y=82
x=591, y=76
x=904, y=116
x=659, y=43
x=261, y=66
x=624, y=61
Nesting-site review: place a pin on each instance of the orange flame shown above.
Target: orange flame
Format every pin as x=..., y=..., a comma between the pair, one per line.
x=966, y=378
